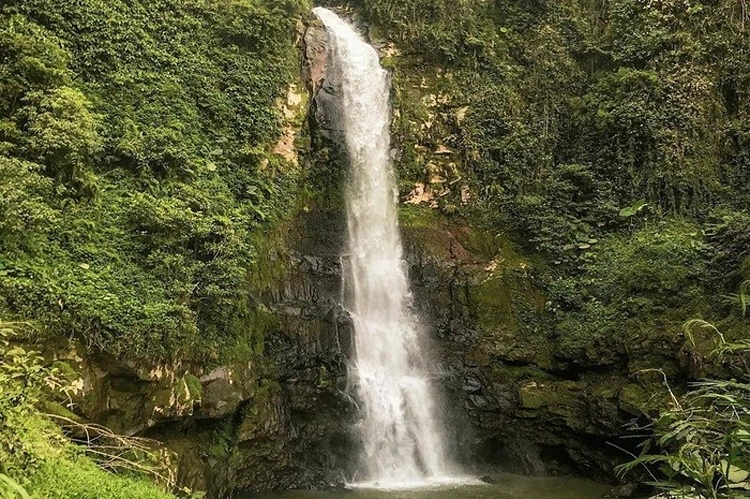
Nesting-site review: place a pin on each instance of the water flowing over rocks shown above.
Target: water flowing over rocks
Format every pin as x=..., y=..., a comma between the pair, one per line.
x=400, y=426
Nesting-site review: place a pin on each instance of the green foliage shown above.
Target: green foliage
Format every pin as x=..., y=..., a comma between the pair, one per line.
x=11, y=489
x=194, y=386
x=134, y=167
x=81, y=479
x=36, y=460
x=223, y=439
x=61, y=131
x=571, y=209
x=729, y=236
x=564, y=114
x=24, y=213
x=628, y=119
x=661, y=259
x=23, y=382
x=608, y=139
x=629, y=283
x=700, y=444
x=744, y=297
x=633, y=209
x=33, y=61
x=455, y=31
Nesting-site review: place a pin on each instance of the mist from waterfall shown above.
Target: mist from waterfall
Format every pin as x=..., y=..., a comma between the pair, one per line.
x=400, y=426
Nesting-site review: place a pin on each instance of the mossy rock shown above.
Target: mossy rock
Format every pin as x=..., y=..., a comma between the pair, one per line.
x=506, y=374
x=194, y=386
x=634, y=399
x=507, y=308
x=531, y=396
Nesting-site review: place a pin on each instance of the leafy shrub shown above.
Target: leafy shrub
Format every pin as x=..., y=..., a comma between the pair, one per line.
x=61, y=131
x=701, y=443
x=729, y=238
x=135, y=141
x=632, y=282
x=33, y=60
x=457, y=31
x=568, y=213
x=36, y=460
x=24, y=211
x=627, y=119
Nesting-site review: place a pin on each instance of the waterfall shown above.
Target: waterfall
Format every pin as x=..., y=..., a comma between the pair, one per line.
x=402, y=438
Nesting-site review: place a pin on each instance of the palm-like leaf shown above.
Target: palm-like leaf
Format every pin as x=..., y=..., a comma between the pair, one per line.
x=701, y=442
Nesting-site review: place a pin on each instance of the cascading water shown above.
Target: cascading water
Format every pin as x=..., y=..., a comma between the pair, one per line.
x=400, y=430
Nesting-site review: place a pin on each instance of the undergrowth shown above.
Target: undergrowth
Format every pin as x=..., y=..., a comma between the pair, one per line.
x=39, y=461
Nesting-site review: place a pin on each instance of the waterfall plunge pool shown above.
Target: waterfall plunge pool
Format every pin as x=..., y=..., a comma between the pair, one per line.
x=506, y=486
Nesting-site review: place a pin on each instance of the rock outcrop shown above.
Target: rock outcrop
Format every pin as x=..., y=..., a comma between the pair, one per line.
x=518, y=402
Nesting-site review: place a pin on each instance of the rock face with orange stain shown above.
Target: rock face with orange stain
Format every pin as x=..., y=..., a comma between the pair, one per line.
x=316, y=53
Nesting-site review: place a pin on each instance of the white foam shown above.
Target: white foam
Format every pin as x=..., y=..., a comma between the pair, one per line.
x=403, y=439
x=435, y=483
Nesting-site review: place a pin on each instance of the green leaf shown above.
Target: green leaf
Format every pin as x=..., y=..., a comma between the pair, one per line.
x=633, y=209
x=14, y=486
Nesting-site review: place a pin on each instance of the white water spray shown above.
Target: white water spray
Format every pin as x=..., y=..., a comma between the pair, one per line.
x=402, y=437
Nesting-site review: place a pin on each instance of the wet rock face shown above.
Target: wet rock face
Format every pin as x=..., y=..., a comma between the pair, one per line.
x=513, y=402
x=297, y=434
x=316, y=57
x=286, y=421
x=324, y=85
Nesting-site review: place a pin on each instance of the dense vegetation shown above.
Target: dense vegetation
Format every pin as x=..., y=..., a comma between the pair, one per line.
x=37, y=461
x=608, y=138
x=137, y=181
x=701, y=440
x=135, y=173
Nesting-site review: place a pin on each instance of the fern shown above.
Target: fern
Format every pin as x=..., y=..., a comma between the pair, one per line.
x=16, y=490
x=701, y=443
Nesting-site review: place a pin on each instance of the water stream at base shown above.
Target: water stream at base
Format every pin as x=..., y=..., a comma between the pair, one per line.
x=507, y=486
x=403, y=441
